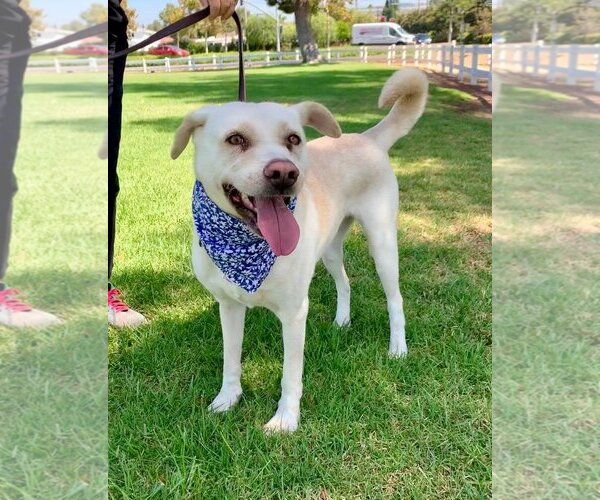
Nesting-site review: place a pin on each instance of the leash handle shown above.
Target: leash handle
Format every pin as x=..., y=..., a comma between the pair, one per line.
x=183, y=23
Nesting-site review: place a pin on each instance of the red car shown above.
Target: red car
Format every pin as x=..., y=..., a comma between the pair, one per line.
x=168, y=50
x=87, y=50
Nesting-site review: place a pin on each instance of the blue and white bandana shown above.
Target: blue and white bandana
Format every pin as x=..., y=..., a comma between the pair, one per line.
x=243, y=256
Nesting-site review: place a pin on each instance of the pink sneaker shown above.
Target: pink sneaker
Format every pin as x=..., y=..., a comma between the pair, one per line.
x=17, y=314
x=119, y=314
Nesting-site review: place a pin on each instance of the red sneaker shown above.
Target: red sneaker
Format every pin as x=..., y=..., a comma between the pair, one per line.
x=120, y=315
x=17, y=314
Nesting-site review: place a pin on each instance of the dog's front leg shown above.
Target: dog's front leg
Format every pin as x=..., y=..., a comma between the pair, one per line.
x=232, y=323
x=287, y=416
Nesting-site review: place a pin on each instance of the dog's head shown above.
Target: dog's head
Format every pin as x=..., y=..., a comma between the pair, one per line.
x=251, y=159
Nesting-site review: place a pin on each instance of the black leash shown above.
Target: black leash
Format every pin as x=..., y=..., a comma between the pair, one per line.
x=183, y=23
x=97, y=29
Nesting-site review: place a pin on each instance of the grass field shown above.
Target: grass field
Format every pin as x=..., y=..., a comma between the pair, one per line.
x=53, y=383
x=546, y=307
x=371, y=427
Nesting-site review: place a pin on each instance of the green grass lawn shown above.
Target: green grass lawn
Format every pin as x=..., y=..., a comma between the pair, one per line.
x=53, y=384
x=546, y=306
x=371, y=427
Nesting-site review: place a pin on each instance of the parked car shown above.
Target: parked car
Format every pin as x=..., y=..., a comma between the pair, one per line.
x=168, y=50
x=380, y=34
x=422, y=38
x=86, y=50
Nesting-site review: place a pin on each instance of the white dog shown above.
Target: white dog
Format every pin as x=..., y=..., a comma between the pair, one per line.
x=268, y=205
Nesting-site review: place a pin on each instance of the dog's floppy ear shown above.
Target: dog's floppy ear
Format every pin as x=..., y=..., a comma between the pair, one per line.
x=317, y=116
x=190, y=123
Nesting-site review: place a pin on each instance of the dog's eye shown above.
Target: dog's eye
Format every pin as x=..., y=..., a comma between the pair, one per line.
x=236, y=140
x=294, y=139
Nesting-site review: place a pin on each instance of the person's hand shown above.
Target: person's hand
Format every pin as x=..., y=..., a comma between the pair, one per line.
x=219, y=8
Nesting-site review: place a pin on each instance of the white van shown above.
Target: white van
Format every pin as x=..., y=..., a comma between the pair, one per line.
x=380, y=34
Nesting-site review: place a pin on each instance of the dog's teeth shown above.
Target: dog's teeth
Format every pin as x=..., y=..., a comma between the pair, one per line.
x=247, y=202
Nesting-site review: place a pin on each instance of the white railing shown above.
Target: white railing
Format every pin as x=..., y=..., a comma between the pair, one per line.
x=573, y=64
x=66, y=65
x=467, y=62
x=471, y=63
x=211, y=62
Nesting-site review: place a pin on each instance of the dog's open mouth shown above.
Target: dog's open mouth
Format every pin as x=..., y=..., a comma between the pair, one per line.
x=269, y=216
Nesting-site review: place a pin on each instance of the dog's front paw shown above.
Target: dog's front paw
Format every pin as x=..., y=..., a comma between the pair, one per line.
x=398, y=350
x=282, y=421
x=343, y=321
x=224, y=401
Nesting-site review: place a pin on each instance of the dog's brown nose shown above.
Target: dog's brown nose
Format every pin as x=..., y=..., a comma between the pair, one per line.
x=281, y=174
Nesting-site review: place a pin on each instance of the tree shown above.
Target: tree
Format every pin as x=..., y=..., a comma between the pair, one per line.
x=156, y=25
x=324, y=29
x=359, y=16
x=555, y=20
x=260, y=32
x=303, y=10
x=343, y=31
x=389, y=10
x=206, y=28
x=36, y=16
x=95, y=14
x=170, y=14
x=75, y=25
x=288, y=36
x=545, y=13
x=472, y=19
x=131, y=16
x=455, y=12
x=98, y=13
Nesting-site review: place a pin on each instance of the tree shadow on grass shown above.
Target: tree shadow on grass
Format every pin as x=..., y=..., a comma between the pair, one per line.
x=324, y=86
x=66, y=89
x=61, y=288
x=87, y=124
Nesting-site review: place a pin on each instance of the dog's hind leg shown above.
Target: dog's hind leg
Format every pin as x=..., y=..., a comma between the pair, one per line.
x=333, y=259
x=379, y=223
x=232, y=323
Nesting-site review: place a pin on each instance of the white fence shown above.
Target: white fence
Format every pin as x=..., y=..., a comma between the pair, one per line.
x=68, y=65
x=571, y=64
x=472, y=63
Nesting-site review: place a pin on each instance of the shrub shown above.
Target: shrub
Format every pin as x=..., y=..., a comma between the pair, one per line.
x=343, y=31
x=586, y=38
x=484, y=39
x=289, y=40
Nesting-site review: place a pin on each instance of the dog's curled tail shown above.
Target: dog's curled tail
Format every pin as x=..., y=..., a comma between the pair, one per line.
x=406, y=92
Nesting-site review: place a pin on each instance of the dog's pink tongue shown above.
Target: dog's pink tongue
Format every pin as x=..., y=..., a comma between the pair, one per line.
x=277, y=224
